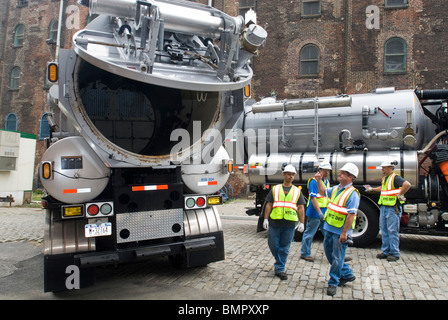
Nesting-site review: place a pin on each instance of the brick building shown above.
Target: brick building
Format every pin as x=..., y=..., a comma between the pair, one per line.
x=321, y=48
x=28, y=36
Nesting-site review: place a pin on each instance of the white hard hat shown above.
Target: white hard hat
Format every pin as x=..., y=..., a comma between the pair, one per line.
x=290, y=168
x=325, y=165
x=388, y=163
x=351, y=168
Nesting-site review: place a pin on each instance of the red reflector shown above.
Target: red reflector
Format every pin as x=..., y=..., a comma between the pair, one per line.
x=200, y=201
x=93, y=210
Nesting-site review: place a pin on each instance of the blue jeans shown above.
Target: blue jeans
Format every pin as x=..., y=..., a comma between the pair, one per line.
x=279, y=241
x=390, y=228
x=335, y=253
x=312, y=224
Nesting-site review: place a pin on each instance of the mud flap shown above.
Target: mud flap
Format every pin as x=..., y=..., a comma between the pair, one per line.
x=61, y=273
x=204, y=252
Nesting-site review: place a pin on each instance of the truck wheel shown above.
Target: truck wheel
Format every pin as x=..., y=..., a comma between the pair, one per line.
x=367, y=224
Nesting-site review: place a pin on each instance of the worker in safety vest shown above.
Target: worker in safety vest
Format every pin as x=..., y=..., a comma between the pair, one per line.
x=339, y=223
x=284, y=212
x=316, y=207
x=393, y=187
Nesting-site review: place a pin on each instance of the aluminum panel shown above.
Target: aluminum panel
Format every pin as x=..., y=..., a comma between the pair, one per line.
x=148, y=225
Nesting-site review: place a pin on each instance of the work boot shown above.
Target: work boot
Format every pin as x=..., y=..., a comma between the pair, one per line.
x=345, y=280
x=309, y=258
x=381, y=256
x=281, y=275
x=392, y=258
x=331, y=290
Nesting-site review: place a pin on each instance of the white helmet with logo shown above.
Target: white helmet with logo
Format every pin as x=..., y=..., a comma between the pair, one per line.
x=325, y=165
x=290, y=168
x=351, y=168
x=388, y=163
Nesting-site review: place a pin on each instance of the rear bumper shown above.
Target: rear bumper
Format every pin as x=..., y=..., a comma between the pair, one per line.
x=198, y=246
x=194, y=252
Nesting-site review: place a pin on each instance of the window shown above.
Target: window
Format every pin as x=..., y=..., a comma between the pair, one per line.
x=309, y=60
x=11, y=122
x=19, y=35
x=245, y=5
x=395, y=55
x=22, y=3
x=396, y=4
x=44, y=131
x=15, y=78
x=53, y=31
x=311, y=8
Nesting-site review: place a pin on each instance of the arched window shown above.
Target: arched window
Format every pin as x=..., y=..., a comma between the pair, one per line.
x=44, y=131
x=11, y=122
x=15, y=78
x=19, y=35
x=309, y=60
x=53, y=31
x=395, y=55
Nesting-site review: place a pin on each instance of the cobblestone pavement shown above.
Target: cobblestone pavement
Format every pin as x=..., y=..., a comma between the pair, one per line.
x=247, y=271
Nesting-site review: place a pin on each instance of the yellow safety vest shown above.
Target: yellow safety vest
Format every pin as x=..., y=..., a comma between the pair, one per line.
x=285, y=207
x=389, y=193
x=336, y=211
x=321, y=200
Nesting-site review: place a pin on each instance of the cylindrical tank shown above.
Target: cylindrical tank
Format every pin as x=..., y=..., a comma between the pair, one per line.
x=206, y=178
x=373, y=122
x=267, y=168
x=188, y=18
x=79, y=175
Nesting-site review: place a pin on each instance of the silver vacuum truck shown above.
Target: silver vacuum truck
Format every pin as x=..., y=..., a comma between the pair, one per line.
x=134, y=164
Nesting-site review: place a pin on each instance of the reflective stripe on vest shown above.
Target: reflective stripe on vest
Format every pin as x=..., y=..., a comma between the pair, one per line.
x=285, y=207
x=321, y=200
x=389, y=194
x=336, y=211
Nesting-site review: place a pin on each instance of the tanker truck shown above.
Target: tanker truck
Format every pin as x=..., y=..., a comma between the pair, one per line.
x=407, y=127
x=135, y=160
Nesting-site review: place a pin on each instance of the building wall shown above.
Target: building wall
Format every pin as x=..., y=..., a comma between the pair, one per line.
x=352, y=55
x=29, y=101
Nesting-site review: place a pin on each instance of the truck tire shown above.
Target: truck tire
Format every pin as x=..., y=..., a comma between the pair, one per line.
x=367, y=224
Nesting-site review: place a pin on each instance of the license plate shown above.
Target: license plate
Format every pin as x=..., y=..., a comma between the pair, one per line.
x=95, y=230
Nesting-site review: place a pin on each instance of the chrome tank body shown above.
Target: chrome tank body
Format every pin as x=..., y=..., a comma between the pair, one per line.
x=373, y=122
x=155, y=83
x=267, y=168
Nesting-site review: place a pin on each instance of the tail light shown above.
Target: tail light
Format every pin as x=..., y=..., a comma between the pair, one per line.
x=195, y=202
x=47, y=170
x=93, y=209
x=44, y=203
x=99, y=209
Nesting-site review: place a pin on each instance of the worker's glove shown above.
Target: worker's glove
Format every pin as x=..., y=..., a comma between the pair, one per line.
x=265, y=224
x=321, y=216
x=368, y=187
x=300, y=227
x=401, y=197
